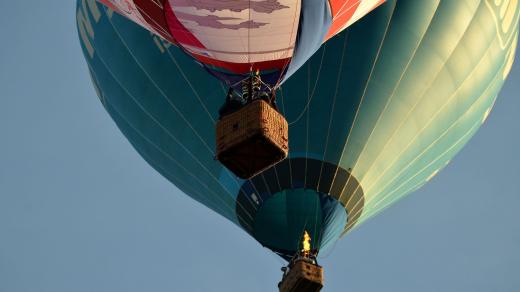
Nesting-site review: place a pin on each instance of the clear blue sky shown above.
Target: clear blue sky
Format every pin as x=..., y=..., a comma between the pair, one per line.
x=81, y=211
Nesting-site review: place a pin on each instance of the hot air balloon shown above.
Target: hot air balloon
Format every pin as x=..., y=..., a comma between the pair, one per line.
x=252, y=46
x=374, y=114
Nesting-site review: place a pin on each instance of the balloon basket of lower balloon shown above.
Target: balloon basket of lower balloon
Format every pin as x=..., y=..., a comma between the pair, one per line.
x=302, y=275
x=252, y=139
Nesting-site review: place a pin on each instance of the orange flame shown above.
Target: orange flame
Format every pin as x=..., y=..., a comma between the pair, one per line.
x=306, y=242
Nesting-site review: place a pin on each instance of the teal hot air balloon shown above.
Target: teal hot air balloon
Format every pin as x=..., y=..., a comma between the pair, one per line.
x=373, y=115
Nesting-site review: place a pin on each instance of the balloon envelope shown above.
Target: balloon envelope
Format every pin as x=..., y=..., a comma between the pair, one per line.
x=374, y=114
x=231, y=38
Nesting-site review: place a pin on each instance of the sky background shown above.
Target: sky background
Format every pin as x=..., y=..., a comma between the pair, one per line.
x=80, y=210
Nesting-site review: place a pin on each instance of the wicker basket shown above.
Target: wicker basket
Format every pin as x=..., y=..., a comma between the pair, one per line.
x=303, y=277
x=252, y=139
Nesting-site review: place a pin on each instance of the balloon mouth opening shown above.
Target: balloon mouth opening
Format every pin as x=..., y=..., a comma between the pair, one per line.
x=299, y=219
x=299, y=194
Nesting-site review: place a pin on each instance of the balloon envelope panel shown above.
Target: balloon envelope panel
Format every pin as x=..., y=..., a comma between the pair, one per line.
x=374, y=114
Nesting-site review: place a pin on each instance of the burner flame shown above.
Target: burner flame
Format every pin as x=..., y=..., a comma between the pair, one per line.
x=306, y=243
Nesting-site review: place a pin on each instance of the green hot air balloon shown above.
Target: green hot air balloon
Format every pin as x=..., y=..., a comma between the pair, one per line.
x=373, y=115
